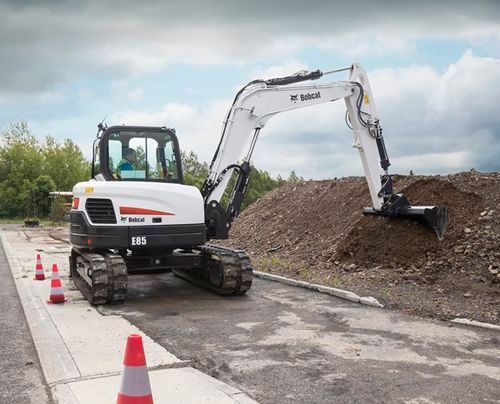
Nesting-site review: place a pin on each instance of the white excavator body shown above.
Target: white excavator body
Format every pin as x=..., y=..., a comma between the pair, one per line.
x=136, y=214
x=144, y=203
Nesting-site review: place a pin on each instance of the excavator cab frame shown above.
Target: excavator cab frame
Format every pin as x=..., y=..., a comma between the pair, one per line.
x=167, y=171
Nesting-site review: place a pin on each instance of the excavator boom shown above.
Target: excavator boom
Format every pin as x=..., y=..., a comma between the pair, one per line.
x=260, y=100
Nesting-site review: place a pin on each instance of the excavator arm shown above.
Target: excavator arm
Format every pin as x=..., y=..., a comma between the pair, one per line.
x=260, y=100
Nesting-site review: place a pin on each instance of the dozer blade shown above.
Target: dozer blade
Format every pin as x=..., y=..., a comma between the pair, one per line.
x=436, y=217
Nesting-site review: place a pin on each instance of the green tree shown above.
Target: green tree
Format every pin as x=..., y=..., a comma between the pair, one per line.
x=194, y=171
x=58, y=210
x=29, y=170
x=36, y=196
x=64, y=163
x=20, y=164
x=294, y=177
x=141, y=158
x=260, y=182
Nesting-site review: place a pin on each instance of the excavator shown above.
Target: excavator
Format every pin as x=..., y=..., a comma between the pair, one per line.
x=136, y=215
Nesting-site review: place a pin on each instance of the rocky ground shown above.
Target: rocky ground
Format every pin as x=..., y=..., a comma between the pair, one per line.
x=314, y=230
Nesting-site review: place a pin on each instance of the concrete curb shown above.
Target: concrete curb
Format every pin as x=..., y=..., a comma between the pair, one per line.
x=353, y=297
x=472, y=323
x=343, y=294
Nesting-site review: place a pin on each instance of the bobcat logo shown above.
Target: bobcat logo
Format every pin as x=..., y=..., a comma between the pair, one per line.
x=294, y=98
x=123, y=219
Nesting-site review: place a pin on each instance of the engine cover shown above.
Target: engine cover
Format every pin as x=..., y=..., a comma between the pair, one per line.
x=129, y=203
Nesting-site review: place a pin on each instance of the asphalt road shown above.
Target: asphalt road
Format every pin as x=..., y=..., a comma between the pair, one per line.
x=284, y=344
x=21, y=377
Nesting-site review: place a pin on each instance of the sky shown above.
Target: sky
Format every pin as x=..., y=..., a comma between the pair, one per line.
x=434, y=68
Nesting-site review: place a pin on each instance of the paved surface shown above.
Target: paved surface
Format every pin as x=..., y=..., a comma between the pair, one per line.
x=81, y=351
x=21, y=377
x=284, y=344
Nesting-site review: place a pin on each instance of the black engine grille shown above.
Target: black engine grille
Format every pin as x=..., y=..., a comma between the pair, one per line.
x=100, y=211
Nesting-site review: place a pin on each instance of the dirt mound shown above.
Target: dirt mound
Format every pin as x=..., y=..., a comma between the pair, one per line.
x=304, y=216
x=403, y=242
x=314, y=230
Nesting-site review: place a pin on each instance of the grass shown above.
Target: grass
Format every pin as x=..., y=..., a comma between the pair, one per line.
x=43, y=222
x=276, y=264
x=11, y=220
x=333, y=281
x=296, y=269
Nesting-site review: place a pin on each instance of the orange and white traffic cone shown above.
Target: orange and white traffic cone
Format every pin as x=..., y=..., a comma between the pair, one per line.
x=135, y=387
x=56, y=288
x=39, y=273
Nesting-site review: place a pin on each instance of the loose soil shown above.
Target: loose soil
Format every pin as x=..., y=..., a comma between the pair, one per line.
x=315, y=231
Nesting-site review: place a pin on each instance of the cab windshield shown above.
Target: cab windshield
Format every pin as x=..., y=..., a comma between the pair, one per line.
x=142, y=155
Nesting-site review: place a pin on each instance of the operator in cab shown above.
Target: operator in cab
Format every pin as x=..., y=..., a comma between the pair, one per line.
x=127, y=162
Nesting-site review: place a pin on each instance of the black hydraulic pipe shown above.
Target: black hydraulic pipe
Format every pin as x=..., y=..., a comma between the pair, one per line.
x=382, y=152
x=239, y=191
x=296, y=78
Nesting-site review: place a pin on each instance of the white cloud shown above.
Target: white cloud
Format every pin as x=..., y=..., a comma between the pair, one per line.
x=441, y=161
x=45, y=44
x=85, y=95
x=170, y=114
x=443, y=121
x=373, y=44
x=198, y=129
x=434, y=123
x=467, y=89
x=123, y=88
x=281, y=70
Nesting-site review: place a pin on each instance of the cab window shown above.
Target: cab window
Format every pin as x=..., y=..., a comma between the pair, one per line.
x=142, y=156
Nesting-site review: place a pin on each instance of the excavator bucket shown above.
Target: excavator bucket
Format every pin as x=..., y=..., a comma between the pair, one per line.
x=435, y=217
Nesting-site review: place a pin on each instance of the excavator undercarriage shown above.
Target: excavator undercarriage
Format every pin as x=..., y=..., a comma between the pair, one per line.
x=101, y=276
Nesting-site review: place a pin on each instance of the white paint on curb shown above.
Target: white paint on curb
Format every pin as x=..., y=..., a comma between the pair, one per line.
x=370, y=301
x=343, y=294
x=473, y=323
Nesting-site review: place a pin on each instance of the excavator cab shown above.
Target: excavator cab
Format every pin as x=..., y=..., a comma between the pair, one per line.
x=133, y=153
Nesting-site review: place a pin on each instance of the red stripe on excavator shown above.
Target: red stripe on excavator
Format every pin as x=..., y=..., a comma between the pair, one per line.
x=126, y=210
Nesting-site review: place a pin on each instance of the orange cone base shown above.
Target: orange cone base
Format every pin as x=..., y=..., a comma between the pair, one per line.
x=39, y=277
x=57, y=300
x=123, y=399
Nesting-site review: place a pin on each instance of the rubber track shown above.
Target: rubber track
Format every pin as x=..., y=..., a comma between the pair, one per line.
x=237, y=271
x=117, y=275
x=109, y=277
